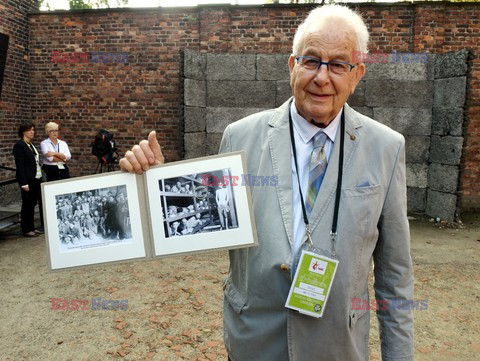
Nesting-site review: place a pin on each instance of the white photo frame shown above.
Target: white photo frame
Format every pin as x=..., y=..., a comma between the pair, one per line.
x=232, y=227
x=75, y=248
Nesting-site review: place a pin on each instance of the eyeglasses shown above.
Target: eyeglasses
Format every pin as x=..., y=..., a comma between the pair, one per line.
x=311, y=63
x=53, y=131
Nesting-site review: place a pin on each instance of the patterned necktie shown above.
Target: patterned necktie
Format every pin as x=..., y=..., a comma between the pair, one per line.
x=318, y=165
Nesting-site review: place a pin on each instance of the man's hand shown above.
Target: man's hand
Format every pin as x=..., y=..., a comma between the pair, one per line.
x=143, y=155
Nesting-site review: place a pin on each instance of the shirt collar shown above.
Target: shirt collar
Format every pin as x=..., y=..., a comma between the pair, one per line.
x=307, y=130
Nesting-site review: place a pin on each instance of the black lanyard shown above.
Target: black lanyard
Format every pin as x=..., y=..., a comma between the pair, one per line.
x=333, y=232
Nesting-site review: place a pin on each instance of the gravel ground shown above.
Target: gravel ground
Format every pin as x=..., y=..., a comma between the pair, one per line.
x=175, y=304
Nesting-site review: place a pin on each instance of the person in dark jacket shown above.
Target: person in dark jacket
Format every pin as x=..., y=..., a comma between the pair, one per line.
x=29, y=177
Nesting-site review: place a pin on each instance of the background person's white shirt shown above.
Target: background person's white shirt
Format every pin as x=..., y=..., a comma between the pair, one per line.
x=48, y=146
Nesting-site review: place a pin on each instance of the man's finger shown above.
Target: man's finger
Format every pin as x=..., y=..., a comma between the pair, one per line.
x=125, y=165
x=141, y=158
x=147, y=151
x=155, y=147
x=132, y=159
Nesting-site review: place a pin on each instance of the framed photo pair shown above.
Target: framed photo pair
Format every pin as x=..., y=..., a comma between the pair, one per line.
x=183, y=207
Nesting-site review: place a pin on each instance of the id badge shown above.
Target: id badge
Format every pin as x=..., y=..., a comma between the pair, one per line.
x=311, y=284
x=60, y=166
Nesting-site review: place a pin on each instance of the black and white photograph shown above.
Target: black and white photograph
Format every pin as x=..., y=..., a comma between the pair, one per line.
x=93, y=218
x=198, y=203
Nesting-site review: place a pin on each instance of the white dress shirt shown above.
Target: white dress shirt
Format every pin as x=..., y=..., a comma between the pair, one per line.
x=304, y=132
x=48, y=146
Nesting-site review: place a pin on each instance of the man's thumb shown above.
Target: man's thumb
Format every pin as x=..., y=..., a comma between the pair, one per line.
x=155, y=147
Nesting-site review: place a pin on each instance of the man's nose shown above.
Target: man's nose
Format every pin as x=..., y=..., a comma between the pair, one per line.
x=322, y=74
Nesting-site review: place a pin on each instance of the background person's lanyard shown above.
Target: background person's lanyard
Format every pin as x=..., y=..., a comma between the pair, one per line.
x=58, y=146
x=333, y=232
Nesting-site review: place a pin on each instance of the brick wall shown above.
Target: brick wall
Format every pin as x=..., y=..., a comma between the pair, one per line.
x=143, y=94
x=15, y=98
x=127, y=98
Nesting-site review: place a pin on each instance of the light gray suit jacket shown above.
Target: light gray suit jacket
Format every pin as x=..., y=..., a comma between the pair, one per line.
x=372, y=223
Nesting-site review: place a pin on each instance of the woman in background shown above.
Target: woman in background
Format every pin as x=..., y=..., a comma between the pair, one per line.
x=55, y=154
x=29, y=177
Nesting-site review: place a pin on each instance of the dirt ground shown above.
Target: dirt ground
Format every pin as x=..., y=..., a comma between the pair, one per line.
x=175, y=304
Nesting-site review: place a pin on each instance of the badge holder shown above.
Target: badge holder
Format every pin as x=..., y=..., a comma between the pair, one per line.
x=312, y=282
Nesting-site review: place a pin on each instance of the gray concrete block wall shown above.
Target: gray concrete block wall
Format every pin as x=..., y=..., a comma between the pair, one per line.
x=222, y=88
x=416, y=199
x=450, y=85
x=218, y=118
x=237, y=93
x=451, y=65
x=398, y=93
x=408, y=121
x=195, y=93
x=448, y=121
x=422, y=99
x=441, y=204
x=231, y=67
x=450, y=92
x=272, y=67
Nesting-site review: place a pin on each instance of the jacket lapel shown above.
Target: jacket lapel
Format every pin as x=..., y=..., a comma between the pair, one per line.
x=326, y=196
x=280, y=150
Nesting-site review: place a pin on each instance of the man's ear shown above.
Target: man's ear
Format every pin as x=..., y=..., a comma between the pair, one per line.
x=291, y=62
x=359, y=72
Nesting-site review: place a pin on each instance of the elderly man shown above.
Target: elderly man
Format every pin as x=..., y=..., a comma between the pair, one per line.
x=333, y=148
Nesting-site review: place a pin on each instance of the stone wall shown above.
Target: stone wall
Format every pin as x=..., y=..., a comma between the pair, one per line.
x=222, y=88
x=423, y=100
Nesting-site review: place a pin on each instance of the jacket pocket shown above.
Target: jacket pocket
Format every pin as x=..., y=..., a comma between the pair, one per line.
x=355, y=315
x=362, y=192
x=360, y=210
x=233, y=296
x=359, y=322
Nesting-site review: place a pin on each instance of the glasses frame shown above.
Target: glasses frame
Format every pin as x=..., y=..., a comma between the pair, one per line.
x=327, y=63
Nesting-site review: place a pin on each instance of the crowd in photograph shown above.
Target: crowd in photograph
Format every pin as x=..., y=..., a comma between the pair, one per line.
x=88, y=215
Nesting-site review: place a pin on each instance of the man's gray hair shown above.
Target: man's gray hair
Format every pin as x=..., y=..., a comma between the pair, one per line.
x=333, y=12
